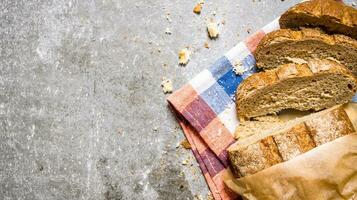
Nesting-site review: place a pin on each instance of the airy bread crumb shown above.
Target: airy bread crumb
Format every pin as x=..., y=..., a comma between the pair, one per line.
x=238, y=68
x=166, y=85
x=212, y=30
x=168, y=31
x=185, y=144
x=184, y=56
x=197, y=8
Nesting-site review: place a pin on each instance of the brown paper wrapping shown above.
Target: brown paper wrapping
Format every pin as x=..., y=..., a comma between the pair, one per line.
x=326, y=172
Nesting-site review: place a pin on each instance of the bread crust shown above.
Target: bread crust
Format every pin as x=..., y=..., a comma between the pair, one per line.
x=294, y=142
x=269, y=79
x=293, y=37
x=330, y=15
x=335, y=122
x=273, y=147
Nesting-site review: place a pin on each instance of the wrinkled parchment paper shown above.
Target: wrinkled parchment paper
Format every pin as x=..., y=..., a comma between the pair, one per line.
x=326, y=172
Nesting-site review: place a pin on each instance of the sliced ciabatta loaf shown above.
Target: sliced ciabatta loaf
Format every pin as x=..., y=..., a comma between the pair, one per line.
x=289, y=46
x=260, y=151
x=315, y=85
x=330, y=15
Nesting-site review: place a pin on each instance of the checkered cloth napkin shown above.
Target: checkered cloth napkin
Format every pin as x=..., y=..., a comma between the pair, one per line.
x=206, y=110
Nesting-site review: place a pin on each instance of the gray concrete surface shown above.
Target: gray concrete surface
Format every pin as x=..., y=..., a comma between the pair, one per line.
x=82, y=113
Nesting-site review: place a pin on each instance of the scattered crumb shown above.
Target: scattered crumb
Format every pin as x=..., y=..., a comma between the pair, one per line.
x=177, y=146
x=185, y=162
x=168, y=31
x=197, y=8
x=212, y=30
x=159, y=50
x=184, y=56
x=202, y=1
x=181, y=174
x=166, y=85
x=164, y=65
x=209, y=196
x=185, y=144
x=249, y=30
x=353, y=4
x=198, y=197
x=223, y=22
x=238, y=68
x=206, y=45
x=155, y=129
x=150, y=42
x=168, y=18
x=214, y=13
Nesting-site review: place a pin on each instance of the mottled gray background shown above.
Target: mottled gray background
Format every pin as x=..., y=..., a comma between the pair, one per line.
x=82, y=113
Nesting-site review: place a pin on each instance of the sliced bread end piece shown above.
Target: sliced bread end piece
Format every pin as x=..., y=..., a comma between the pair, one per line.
x=330, y=15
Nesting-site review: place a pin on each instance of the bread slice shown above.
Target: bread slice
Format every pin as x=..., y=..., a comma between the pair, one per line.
x=290, y=46
x=330, y=15
x=260, y=151
x=248, y=128
x=316, y=85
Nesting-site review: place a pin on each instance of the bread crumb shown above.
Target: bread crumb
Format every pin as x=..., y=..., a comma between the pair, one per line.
x=202, y=1
x=353, y=4
x=185, y=144
x=166, y=85
x=212, y=30
x=206, y=45
x=198, y=197
x=197, y=8
x=184, y=56
x=223, y=22
x=238, y=68
x=168, y=17
x=185, y=162
x=181, y=174
x=249, y=30
x=209, y=196
x=168, y=31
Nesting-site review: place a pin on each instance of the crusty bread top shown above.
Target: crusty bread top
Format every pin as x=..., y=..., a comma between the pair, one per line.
x=262, y=150
x=330, y=15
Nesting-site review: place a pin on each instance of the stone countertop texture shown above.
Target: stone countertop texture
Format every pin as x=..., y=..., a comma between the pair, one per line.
x=82, y=112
